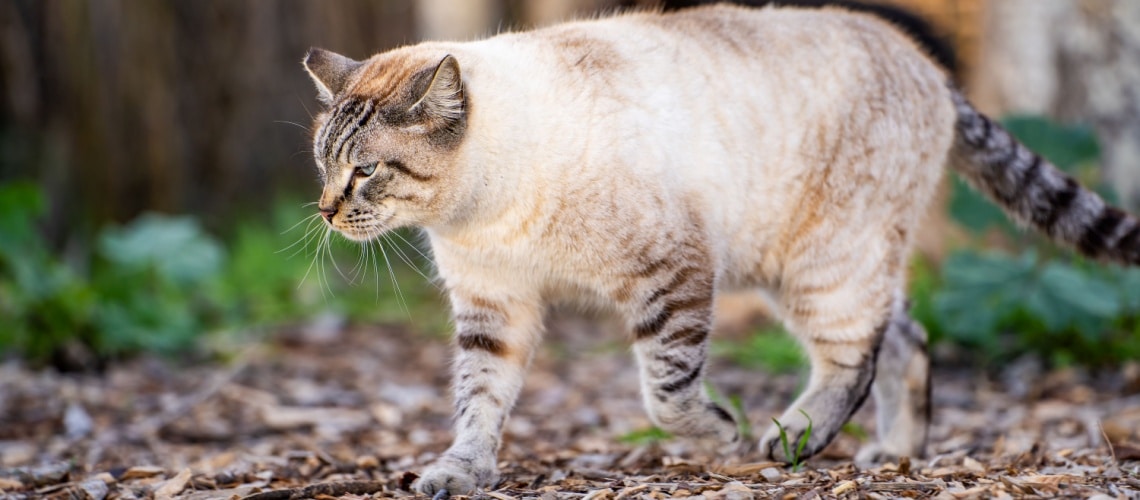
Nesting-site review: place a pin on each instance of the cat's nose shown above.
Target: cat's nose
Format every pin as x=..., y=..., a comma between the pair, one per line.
x=328, y=213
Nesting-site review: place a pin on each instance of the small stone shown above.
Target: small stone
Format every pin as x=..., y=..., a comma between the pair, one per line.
x=76, y=422
x=95, y=488
x=771, y=473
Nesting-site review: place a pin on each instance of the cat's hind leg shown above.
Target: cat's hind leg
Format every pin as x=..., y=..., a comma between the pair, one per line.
x=839, y=309
x=901, y=390
x=671, y=333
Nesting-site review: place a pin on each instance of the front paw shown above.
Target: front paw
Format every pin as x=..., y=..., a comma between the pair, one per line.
x=458, y=475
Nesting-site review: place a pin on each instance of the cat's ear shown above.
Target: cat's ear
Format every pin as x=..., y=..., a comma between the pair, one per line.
x=330, y=72
x=442, y=97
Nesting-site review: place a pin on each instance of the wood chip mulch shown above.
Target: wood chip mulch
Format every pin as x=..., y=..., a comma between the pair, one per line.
x=357, y=413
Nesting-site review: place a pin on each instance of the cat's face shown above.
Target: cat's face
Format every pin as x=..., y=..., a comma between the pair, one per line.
x=386, y=144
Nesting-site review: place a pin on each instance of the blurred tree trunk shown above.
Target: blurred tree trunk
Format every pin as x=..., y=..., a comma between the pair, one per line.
x=1074, y=60
x=121, y=106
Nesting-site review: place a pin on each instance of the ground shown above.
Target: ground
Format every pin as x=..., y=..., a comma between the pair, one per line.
x=328, y=412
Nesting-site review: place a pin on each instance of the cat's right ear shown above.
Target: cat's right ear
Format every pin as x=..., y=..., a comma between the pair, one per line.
x=330, y=72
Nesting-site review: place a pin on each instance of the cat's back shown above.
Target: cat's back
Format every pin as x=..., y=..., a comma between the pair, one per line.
x=828, y=41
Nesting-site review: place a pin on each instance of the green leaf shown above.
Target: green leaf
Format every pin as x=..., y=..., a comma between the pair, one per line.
x=176, y=247
x=1066, y=146
x=980, y=290
x=647, y=435
x=974, y=211
x=1068, y=297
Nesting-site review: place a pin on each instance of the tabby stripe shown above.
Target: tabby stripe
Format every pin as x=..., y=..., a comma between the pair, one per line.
x=680, y=277
x=482, y=342
x=721, y=413
x=347, y=129
x=651, y=268
x=333, y=129
x=847, y=366
x=403, y=169
x=654, y=325
x=475, y=317
x=674, y=362
x=360, y=124
x=682, y=383
x=691, y=336
x=987, y=131
x=1129, y=244
x=1059, y=203
x=1031, y=176
x=1096, y=235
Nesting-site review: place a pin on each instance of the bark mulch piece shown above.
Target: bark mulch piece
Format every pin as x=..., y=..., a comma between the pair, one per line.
x=359, y=413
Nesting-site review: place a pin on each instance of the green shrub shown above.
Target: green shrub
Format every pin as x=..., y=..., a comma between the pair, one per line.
x=1038, y=298
x=771, y=349
x=160, y=282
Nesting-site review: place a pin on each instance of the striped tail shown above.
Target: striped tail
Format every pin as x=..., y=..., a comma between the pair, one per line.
x=1036, y=193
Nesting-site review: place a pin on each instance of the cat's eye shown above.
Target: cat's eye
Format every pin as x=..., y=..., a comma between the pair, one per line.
x=366, y=170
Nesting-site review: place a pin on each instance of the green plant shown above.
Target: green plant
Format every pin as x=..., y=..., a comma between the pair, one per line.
x=1037, y=298
x=743, y=426
x=796, y=458
x=159, y=283
x=771, y=349
x=648, y=435
x=855, y=430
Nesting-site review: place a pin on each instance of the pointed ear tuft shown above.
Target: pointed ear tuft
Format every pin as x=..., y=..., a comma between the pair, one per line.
x=330, y=72
x=443, y=100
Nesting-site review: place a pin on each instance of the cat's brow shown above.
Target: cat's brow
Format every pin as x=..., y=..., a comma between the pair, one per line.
x=361, y=121
x=341, y=126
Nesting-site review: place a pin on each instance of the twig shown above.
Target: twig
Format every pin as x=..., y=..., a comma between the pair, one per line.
x=330, y=489
x=1111, y=450
x=152, y=425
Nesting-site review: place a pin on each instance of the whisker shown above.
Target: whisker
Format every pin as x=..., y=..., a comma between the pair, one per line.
x=305, y=238
x=295, y=124
x=391, y=274
x=396, y=248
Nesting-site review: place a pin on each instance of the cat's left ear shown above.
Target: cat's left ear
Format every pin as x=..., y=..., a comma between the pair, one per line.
x=330, y=72
x=442, y=99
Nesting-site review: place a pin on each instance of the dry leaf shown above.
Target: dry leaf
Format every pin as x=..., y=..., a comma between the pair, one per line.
x=173, y=486
x=973, y=465
x=844, y=488
x=741, y=470
x=142, y=471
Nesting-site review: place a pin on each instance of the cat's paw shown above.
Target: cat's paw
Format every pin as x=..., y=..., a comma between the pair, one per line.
x=873, y=454
x=458, y=475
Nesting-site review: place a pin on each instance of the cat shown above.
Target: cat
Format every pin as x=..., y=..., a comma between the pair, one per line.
x=642, y=162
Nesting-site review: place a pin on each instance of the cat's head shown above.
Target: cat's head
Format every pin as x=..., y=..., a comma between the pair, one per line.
x=386, y=143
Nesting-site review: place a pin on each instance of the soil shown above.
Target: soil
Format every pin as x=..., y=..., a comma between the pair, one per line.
x=355, y=413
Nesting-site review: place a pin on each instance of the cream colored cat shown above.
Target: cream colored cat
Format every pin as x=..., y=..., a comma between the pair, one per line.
x=642, y=162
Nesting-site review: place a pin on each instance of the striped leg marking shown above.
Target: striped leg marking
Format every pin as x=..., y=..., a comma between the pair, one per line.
x=671, y=348
x=494, y=348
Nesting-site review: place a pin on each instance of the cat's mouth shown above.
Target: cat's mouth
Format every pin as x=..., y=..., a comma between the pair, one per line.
x=363, y=232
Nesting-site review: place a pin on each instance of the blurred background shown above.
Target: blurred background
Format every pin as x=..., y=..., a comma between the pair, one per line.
x=154, y=168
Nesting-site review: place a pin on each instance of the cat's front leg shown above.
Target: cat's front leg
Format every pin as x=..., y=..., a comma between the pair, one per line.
x=495, y=340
